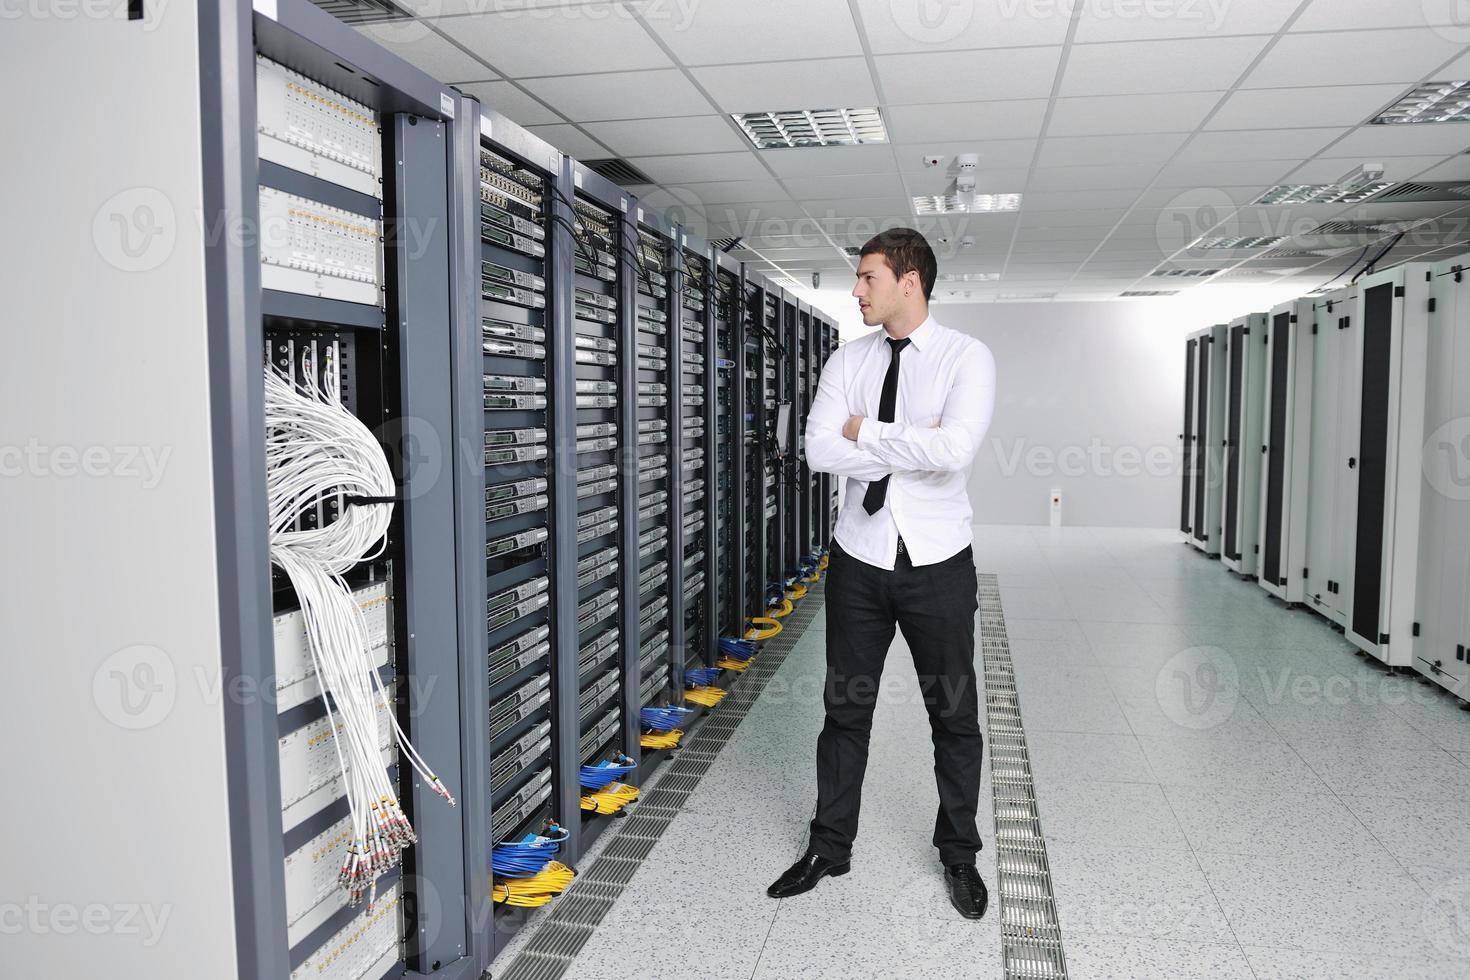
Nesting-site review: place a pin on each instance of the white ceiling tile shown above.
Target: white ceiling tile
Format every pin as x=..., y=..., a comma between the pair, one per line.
x=818, y=188
x=1168, y=197
x=759, y=218
x=696, y=167
x=572, y=141
x=1090, y=218
x=1167, y=112
x=1014, y=119
x=877, y=207
x=739, y=191
x=1131, y=67
x=723, y=32
x=1352, y=58
x=1455, y=169
x=1144, y=150
x=1418, y=140
x=510, y=8
x=1021, y=73
x=603, y=36
x=828, y=83
x=680, y=134
x=417, y=43
x=1120, y=21
x=814, y=161
x=1337, y=15
x=1210, y=173
x=1113, y=177
x=1257, y=144
x=919, y=25
x=1338, y=105
x=511, y=102
x=1068, y=200
x=620, y=95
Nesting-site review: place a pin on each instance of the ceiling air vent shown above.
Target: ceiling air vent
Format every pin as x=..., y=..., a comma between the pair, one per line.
x=364, y=11
x=1185, y=273
x=1131, y=293
x=853, y=251
x=726, y=244
x=619, y=171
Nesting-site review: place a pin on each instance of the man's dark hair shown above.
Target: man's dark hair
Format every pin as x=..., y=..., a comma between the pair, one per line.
x=906, y=251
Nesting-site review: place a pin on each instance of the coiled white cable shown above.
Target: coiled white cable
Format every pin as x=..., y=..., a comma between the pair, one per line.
x=316, y=452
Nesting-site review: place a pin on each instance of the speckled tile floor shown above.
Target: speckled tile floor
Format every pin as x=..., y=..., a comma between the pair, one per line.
x=1226, y=789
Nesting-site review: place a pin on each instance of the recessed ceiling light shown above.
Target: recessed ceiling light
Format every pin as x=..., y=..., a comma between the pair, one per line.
x=812, y=127
x=1149, y=292
x=1322, y=193
x=1023, y=297
x=1185, y=273
x=1245, y=241
x=1432, y=102
x=969, y=277
x=966, y=203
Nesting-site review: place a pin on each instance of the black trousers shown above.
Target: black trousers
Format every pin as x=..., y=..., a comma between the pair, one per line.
x=935, y=607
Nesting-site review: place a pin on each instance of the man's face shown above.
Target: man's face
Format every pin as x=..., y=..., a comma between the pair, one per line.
x=879, y=292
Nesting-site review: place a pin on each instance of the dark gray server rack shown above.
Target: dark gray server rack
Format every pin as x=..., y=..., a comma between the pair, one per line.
x=1189, y=439
x=660, y=460
x=729, y=421
x=789, y=371
x=697, y=356
x=387, y=358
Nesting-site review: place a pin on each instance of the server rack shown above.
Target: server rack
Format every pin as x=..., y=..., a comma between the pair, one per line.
x=266, y=228
x=1287, y=426
x=660, y=460
x=1335, y=321
x=1441, y=621
x=699, y=484
x=805, y=494
x=515, y=394
x=1383, y=467
x=1204, y=386
x=729, y=421
x=829, y=484
x=769, y=437
x=789, y=369
x=1245, y=359
x=604, y=448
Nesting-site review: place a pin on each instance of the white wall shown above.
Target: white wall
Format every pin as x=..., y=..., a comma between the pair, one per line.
x=1089, y=399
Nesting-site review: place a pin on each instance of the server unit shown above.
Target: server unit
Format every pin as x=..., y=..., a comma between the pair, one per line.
x=1441, y=614
x=1287, y=429
x=1245, y=371
x=1204, y=417
x=1382, y=475
x=1334, y=412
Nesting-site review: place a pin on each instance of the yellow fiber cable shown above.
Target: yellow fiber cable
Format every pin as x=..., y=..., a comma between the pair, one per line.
x=707, y=696
x=730, y=663
x=781, y=611
x=759, y=634
x=823, y=563
x=661, y=740
x=796, y=592
x=536, y=890
x=610, y=800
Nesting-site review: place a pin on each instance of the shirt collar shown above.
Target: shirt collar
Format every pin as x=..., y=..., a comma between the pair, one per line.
x=923, y=334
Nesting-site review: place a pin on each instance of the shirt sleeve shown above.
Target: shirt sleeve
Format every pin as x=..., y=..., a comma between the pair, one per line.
x=827, y=451
x=951, y=445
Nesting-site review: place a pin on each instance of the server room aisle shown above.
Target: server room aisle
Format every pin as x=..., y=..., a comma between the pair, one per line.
x=1226, y=790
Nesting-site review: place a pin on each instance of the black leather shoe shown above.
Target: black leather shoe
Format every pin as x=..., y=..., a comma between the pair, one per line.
x=804, y=875
x=966, y=890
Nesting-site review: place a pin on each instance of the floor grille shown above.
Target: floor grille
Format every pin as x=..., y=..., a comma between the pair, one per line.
x=1031, y=938
x=570, y=920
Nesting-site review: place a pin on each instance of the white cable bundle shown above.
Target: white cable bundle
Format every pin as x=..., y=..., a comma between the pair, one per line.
x=318, y=451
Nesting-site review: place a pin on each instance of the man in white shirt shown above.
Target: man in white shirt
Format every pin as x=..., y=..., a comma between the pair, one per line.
x=900, y=413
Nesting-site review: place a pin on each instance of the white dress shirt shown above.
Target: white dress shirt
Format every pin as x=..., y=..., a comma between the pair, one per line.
x=946, y=394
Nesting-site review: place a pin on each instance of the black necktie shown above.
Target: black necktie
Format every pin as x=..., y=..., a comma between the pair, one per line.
x=878, y=489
